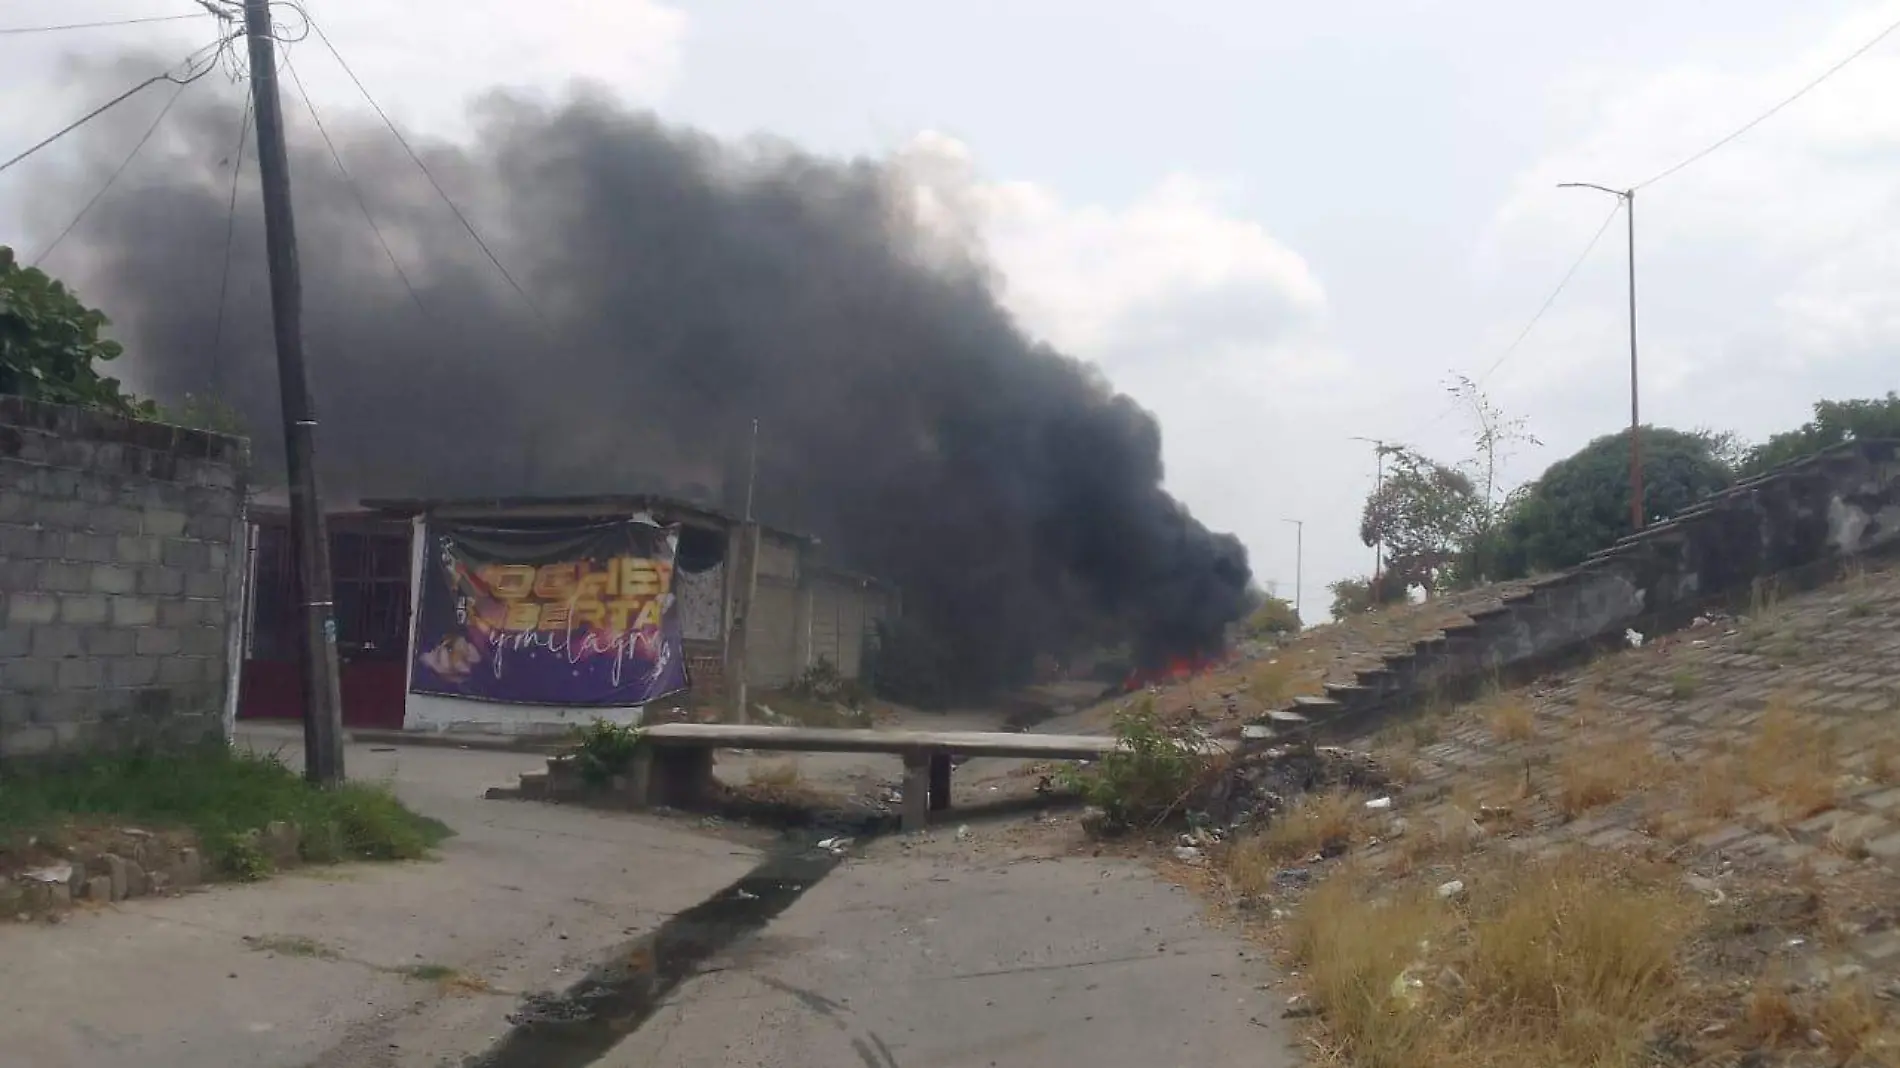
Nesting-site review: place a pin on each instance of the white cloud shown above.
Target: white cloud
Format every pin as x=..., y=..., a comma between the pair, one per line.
x=1768, y=272
x=1198, y=313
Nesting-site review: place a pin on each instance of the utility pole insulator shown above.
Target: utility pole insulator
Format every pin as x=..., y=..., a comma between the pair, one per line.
x=309, y=540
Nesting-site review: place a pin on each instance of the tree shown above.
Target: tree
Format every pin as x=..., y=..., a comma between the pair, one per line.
x=1351, y=596
x=50, y=348
x=1581, y=504
x=1426, y=515
x=1495, y=436
x=1834, y=422
x=1273, y=617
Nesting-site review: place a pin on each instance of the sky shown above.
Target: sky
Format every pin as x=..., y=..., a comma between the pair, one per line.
x=1282, y=227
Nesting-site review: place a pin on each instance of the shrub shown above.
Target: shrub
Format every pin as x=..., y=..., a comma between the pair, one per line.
x=603, y=750
x=1150, y=776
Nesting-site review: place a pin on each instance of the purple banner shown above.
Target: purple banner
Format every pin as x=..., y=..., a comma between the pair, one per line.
x=579, y=614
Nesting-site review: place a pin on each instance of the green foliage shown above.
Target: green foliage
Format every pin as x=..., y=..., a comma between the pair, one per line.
x=1581, y=504
x=1150, y=777
x=1275, y=617
x=50, y=348
x=603, y=750
x=1426, y=516
x=1351, y=596
x=1834, y=422
x=224, y=796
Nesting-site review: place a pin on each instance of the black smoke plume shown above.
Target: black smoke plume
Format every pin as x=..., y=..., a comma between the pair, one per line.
x=681, y=287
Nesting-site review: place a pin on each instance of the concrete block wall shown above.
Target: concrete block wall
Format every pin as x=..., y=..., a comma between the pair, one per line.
x=1799, y=521
x=120, y=579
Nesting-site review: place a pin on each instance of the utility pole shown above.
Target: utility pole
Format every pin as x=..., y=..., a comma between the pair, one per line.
x=738, y=648
x=1380, y=449
x=1299, y=562
x=309, y=541
x=1628, y=197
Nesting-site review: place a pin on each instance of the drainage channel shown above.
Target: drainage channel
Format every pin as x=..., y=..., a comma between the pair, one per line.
x=577, y=1026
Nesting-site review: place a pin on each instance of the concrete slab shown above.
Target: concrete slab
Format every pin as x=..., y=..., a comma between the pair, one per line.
x=953, y=960
x=523, y=898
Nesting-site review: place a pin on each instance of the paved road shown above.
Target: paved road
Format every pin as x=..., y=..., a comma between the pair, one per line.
x=522, y=898
x=920, y=953
x=940, y=957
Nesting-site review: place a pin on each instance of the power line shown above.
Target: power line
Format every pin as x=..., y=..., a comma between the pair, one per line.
x=355, y=190
x=166, y=76
x=230, y=235
x=12, y=31
x=1771, y=112
x=1511, y=349
x=426, y=173
x=114, y=176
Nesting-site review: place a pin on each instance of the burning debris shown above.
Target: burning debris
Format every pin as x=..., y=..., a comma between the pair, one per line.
x=678, y=288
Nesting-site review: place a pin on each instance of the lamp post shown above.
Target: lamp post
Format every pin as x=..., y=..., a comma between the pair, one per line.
x=1628, y=197
x=1299, y=562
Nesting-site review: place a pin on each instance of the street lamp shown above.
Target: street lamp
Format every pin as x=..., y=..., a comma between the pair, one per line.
x=1628, y=197
x=1299, y=562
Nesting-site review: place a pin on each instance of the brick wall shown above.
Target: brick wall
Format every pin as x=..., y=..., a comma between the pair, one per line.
x=119, y=579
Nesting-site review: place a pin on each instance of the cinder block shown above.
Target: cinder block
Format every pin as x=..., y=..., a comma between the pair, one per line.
x=56, y=641
x=90, y=548
x=156, y=641
x=161, y=581
x=200, y=641
x=82, y=609
x=205, y=585
x=28, y=741
x=135, y=549
x=29, y=675
x=186, y=555
x=107, y=578
x=81, y=673
x=133, y=671
x=134, y=611
x=59, y=576
x=173, y=670
x=108, y=641
x=30, y=609
x=174, y=612
x=165, y=523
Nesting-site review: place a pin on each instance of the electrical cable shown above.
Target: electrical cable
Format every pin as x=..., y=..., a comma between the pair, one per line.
x=114, y=176
x=1542, y=309
x=355, y=190
x=166, y=76
x=1771, y=112
x=416, y=158
x=12, y=31
x=230, y=235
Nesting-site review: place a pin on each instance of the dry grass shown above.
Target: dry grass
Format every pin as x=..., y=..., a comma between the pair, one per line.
x=1845, y=1019
x=1792, y=760
x=1883, y=761
x=1289, y=673
x=1558, y=964
x=1318, y=824
x=1716, y=791
x=1510, y=717
x=1596, y=774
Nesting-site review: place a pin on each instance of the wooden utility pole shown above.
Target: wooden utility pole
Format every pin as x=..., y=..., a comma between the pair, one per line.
x=309, y=541
x=739, y=642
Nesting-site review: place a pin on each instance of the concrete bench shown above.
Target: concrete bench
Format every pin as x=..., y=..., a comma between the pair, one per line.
x=674, y=758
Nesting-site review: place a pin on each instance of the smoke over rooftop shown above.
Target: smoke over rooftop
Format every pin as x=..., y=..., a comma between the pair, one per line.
x=684, y=287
